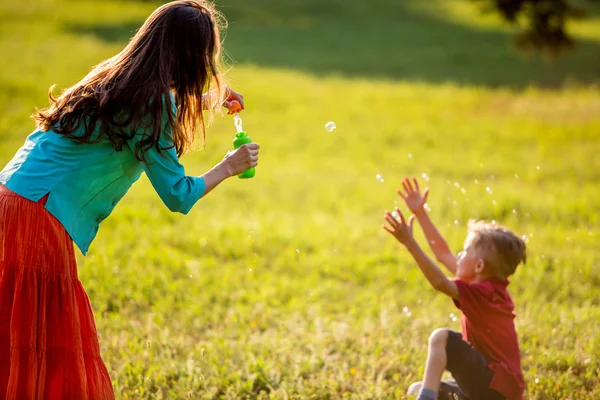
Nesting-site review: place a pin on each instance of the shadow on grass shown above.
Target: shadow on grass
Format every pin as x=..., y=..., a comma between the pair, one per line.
x=384, y=39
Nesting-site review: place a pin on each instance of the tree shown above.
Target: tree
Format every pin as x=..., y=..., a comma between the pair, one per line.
x=544, y=22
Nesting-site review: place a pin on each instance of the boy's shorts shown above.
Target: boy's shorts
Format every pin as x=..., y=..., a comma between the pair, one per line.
x=470, y=370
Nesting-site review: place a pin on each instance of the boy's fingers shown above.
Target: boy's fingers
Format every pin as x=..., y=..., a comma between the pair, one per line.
x=399, y=191
x=387, y=229
x=392, y=220
x=404, y=180
x=401, y=216
x=425, y=194
x=410, y=221
x=409, y=184
x=416, y=184
x=406, y=187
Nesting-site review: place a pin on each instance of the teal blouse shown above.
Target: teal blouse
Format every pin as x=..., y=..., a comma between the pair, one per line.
x=86, y=181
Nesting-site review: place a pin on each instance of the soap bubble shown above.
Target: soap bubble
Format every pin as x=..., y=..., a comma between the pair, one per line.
x=379, y=178
x=330, y=126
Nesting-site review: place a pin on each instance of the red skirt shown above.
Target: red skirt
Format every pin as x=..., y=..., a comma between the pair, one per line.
x=48, y=340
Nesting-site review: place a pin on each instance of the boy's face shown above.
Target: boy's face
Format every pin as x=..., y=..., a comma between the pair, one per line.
x=469, y=265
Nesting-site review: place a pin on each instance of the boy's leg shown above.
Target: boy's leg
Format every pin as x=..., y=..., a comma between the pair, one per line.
x=435, y=366
x=469, y=368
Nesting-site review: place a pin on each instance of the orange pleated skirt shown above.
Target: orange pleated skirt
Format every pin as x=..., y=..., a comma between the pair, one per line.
x=48, y=339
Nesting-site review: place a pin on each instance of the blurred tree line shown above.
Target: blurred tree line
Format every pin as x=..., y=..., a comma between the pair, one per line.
x=544, y=21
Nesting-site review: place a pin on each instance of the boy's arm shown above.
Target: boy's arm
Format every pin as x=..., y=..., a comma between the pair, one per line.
x=402, y=231
x=416, y=202
x=436, y=241
x=432, y=272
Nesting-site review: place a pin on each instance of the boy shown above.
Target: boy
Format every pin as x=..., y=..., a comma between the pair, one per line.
x=485, y=361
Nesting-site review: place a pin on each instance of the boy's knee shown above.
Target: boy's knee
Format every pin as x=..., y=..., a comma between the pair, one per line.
x=438, y=338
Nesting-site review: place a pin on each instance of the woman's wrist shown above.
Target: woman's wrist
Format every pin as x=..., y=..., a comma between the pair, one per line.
x=224, y=170
x=216, y=175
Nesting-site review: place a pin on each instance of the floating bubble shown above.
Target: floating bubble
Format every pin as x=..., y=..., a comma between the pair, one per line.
x=494, y=202
x=488, y=189
x=190, y=276
x=330, y=126
x=516, y=176
x=396, y=215
x=424, y=176
x=427, y=208
x=298, y=251
x=379, y=178
x=457, y=185
x=463, y=190
x=456, y=222
x=453, y=317
x=537, y=167
x=409, y=155
x=250, y=269
x=405, y=310
x=476, y=182
x=514, y=211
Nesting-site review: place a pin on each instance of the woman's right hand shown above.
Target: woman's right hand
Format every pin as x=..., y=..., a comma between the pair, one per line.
x=239, y=160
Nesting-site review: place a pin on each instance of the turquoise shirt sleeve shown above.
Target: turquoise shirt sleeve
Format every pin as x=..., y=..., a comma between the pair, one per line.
x=178, y=191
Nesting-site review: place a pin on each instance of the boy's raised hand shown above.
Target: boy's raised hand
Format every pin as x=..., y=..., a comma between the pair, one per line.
x=398, y=227
x=413, y=198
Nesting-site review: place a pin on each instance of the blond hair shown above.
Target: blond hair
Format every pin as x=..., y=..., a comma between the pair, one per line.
x=501, y=250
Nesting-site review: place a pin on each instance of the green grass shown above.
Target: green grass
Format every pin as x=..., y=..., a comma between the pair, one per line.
x=285, y=286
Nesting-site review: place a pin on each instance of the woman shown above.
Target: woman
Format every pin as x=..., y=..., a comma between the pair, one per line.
x=135, y=112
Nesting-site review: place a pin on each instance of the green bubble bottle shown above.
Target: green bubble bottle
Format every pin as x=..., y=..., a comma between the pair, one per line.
x=242, y=138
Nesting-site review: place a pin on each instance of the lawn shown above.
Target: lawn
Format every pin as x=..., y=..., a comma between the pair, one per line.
x=285, y=285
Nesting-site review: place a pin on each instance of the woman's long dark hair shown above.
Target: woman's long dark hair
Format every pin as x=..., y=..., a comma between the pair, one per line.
x=177, y=49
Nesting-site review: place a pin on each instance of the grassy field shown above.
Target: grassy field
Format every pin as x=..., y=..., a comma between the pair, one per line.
x=285, y=286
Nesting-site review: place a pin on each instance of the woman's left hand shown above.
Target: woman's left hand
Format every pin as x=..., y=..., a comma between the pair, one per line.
x=234, y=101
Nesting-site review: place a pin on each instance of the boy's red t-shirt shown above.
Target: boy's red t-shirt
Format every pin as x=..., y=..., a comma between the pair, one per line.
x=488, y=325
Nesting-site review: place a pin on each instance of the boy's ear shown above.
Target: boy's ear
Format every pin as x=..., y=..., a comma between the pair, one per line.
x=479, y=266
